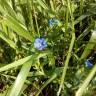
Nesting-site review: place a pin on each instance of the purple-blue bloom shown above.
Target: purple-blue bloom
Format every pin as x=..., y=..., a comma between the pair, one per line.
x=40, y=43
x=88, y=64
x=53, y=21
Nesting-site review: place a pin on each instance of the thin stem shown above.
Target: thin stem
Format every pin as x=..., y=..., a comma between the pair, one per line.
x=36, y=23
x=46, y=83
x=30, y=7
x=66, y=64
x=66, y=24
x=70, y=48
x=81, y=10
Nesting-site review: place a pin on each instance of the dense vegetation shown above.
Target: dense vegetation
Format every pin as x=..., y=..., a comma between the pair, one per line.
x=47, y=47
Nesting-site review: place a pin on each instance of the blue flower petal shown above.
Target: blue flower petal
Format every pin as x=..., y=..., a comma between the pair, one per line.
x=88, y=64
x=37, y=45
x=37, y=40
x=53, y=21
x=40, y=43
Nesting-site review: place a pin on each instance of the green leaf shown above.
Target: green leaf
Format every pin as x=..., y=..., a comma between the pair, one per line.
x=41, y=3
x=80, y=19
x=20, y=80
x=7, y=7
x=8, y=40
x=14, y=78
x=17, y=27
x=15, y=64
x=89, y=46
x=86, y=31
x=22, y=61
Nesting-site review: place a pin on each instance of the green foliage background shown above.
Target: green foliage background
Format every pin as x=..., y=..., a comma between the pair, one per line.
x=59, y=69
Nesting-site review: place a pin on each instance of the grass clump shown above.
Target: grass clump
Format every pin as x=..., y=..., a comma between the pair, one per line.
x=47, y=47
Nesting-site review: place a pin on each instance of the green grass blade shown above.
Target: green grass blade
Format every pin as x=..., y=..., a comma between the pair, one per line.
x=89, y=46
x=30, y=15
x=79, y=19
x=8, y=40
x=7, y=7
x=41, y=3
x=15, y=64
x=15, y=91
x=46, y=83
x=21, y=61
x=14, y=78
x=52, y=5
x=69, y=6
x=81, y=90
x=21, y=78
x=86, y=31
x=17, y=27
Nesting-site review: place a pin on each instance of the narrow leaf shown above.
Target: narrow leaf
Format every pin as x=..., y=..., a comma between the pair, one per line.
x=8, y=40
x=17, y=27
x=89, y=46
x=15, y=64
x=20, y=80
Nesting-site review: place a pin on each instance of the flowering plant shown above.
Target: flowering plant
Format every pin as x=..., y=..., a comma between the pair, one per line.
x=40, y=43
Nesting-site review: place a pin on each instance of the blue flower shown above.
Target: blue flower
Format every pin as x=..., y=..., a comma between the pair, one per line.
x=40, y=43
x=88, y=64
x=53, y=21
